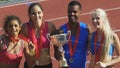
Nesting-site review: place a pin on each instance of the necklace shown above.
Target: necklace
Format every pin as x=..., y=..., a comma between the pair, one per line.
x=13, y=39
x=11, y=42
x=72, y=49
x=37, y=41
x=14, y=44
x=11, y=47
x=98, y=46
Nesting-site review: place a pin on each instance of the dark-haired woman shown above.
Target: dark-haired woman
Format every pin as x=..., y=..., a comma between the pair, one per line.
x=12, y=44
x=36, y=29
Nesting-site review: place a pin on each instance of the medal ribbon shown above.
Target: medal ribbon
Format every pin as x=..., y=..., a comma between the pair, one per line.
x=98, y=49
x=72, y=49
x=19, y=37
x=36, y=42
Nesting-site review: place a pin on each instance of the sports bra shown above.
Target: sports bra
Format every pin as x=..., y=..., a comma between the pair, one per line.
x=111, y=48
x=10, y=58
x=32, y=37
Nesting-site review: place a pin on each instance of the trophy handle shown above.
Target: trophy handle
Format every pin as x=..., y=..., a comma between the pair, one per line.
x=69, y=34
x=48, y=36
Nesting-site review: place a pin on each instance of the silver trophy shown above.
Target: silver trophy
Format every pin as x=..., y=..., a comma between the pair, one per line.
x=61, y=38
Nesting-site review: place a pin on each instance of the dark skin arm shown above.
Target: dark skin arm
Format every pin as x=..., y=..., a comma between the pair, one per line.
x=89, y=38
x=57, y=53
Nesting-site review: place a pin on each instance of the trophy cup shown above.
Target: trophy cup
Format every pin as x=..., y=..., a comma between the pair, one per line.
x=61, y=38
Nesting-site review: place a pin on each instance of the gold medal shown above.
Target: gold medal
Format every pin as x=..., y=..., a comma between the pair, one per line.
x=71, y=60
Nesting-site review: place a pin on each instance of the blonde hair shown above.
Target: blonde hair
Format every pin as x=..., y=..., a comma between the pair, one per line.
x=108, y=32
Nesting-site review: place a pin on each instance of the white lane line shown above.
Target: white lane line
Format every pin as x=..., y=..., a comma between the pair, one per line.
x=27, y=2
x=118, y=30
x=64, y=17
x=117, y=8
x=59, y=18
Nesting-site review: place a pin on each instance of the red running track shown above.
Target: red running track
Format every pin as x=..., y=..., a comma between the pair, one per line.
x=56, y=11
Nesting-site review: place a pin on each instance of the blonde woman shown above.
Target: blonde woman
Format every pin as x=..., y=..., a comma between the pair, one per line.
x=103, y=42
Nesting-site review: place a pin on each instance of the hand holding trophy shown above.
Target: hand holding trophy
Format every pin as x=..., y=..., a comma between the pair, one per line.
x=63, y=61
x=59, y=40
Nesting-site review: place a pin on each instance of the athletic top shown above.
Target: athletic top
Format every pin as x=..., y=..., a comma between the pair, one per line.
x=111, y=48
x=41, y=42
x=10, y=58
x=45, y=41
x=79, y=57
